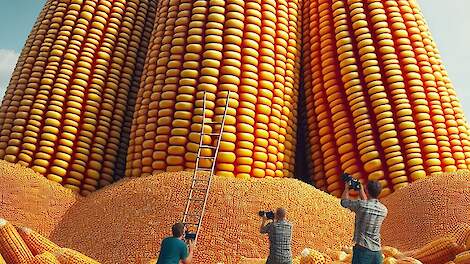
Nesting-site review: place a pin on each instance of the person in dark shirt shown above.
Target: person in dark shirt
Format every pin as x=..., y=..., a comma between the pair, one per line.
x=173, y=249
x=280, y=238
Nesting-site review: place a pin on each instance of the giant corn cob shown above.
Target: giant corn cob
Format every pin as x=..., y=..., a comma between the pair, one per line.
x=463, y=258
x=379, y=103
x=65, y=105
x=12, y=247
x=248, y=48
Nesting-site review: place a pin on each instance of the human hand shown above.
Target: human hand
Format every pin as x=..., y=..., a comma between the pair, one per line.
x=191, y=245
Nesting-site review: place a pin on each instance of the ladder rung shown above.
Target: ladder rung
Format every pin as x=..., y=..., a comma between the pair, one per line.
x=196, y=215
x=191, y=223
x=203, y=169
x=208, y=146
x=206, y=157
x=200, y=180
x=211, y=122
x=210, y=134
x=197, y=200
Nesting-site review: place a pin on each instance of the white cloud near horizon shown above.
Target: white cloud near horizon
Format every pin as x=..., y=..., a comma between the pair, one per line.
x=8, y=60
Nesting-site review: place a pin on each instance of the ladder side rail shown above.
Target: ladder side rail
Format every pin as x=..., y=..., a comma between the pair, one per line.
x=213, y=166
x=193, y=182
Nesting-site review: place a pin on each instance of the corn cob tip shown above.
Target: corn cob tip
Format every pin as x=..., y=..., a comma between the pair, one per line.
x=25, y=230
x=58, y=252
x=3, y=222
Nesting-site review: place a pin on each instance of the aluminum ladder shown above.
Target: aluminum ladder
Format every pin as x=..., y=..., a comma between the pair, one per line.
x=202, y=177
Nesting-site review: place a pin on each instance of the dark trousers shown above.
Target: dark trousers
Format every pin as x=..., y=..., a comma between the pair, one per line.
x=362, y=255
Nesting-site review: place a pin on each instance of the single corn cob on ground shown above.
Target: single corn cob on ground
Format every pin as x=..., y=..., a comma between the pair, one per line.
x=36, y=242
x=44, y=258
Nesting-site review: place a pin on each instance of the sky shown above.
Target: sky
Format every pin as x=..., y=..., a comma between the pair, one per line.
x=449, y=22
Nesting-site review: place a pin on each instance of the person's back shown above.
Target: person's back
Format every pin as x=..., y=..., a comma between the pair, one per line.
x=172, y=250
x=370, y=215
x=280, y=238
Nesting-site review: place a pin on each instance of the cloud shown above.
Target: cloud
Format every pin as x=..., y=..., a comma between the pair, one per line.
x=8, y=60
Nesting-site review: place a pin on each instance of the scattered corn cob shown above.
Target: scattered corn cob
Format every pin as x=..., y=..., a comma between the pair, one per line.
x=390, y=251
x=12, y=247
x=2, y=260
x=438, y=251
x=44, y=258
x=408, y=260
x=463, y=258
x=36, y=242
x=70, y=256
x=390, y=260
x=311, y=256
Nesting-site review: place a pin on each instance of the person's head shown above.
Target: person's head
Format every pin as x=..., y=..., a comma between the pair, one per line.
x=177, y=230
x=373, y=189
x=280, y=213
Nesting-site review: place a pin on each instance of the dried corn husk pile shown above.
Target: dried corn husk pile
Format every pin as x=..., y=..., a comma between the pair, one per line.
x=20, y=245
x=427, y=210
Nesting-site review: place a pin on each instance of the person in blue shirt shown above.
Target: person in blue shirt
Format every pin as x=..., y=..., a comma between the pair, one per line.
x=173, y=249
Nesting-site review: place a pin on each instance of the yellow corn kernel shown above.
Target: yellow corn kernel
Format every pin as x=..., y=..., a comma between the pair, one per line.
x=12, y=247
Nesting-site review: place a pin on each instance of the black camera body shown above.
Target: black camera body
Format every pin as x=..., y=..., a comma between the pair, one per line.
x=189, y=235
x=268, y=214
x=351, y=181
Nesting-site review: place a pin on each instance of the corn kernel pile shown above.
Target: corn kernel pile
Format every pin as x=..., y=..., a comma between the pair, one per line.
x=127, y=221
x=423, y=210
x=20, y=245
x=104, y=89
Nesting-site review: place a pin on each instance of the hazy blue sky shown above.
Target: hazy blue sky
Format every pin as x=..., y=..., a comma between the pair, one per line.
x=449, y=22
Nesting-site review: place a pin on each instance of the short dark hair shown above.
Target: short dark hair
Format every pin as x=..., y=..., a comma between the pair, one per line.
x=281, y=213
x=177, y=229
x=374, y=188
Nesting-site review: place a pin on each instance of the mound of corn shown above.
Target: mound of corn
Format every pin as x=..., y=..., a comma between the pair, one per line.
x=427, y=209
x=19, y=245
x=125, y=222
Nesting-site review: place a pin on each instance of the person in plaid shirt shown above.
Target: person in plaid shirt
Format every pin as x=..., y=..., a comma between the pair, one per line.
x=370, y=214
x=280, y=238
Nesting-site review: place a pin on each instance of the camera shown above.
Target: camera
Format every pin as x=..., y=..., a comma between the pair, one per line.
x=189, y=236
x=351, y=181
x=268, y=214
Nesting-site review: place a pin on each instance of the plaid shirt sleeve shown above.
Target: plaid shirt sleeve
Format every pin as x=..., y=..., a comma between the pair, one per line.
x=352, y=205
x=265, y=229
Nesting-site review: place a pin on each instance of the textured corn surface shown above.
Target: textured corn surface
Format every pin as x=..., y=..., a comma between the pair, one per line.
x=70, y=256
x=64, y=110
x=12, y=248
x=36, y=242
x=322, y=224
x=379, y=102
x=248, y=48
x=45, y=258
x=427, y=210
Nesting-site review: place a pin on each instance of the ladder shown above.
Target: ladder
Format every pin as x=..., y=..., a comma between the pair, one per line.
x=202, y=177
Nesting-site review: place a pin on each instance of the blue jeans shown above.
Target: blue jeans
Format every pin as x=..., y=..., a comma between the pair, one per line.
x=363, y=255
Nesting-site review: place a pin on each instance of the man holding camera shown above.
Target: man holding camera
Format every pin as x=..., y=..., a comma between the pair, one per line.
x=173, y=249
x=370, y=214
x=280, y=236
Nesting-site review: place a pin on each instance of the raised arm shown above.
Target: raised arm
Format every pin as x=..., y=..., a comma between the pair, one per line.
x=189, y=258
x=362, y=193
